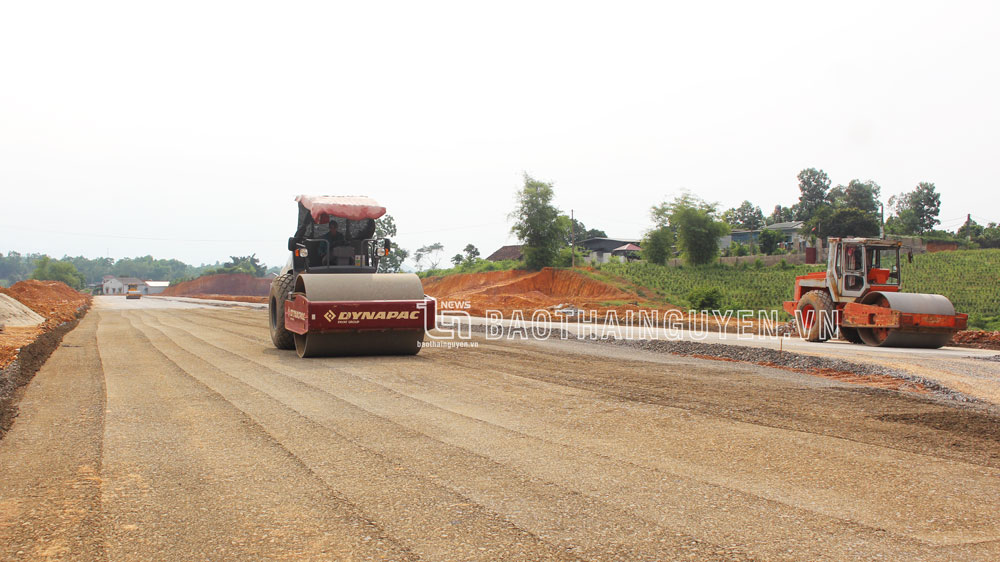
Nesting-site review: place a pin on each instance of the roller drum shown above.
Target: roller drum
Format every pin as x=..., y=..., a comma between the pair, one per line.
x=359, y=287
x=919, y=303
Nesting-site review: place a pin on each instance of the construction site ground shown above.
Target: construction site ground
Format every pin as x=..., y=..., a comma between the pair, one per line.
x=173, y=430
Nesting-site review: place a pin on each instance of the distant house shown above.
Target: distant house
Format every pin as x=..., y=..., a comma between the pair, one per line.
x=514, y=252
x=747, y=237
x=111, y=285
x=600, y=250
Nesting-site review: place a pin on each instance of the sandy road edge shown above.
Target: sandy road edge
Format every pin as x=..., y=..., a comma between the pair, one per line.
x=30, y=358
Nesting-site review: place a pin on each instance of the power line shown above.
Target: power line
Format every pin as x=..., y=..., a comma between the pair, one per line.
x=124, y=237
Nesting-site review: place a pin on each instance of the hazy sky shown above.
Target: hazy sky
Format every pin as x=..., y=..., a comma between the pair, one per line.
x=186, y=129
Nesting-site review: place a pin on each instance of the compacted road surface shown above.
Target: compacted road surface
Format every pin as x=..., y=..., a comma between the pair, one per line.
x=170, y=431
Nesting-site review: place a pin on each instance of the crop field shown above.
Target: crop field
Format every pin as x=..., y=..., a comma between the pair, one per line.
x=970, y=278
x=745, y=288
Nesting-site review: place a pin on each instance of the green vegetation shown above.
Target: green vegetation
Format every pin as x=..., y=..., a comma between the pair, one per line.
x=658, y=245
x=969, y=278
x=695, y=224
x=240, y=264
x=477, y=265
x=739, y=287
x=46, y=269
x=537, y=224
x=16, y=267
x=916, y=211
x=705, y=298
x=385, y=227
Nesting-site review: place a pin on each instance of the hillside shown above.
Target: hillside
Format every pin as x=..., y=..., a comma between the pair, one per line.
x=970, y=278
x=527, y=291
x=240, y=284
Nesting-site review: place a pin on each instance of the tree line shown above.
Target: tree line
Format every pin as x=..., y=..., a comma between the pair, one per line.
x=78, y=271
x=689, y=227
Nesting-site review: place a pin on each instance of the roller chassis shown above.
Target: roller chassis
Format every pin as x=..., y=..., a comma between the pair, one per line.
x=863, y=298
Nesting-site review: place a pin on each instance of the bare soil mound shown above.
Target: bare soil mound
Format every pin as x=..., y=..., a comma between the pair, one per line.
x=977, y=339
x=54, y=300
x=527, y=291
x=13, y=313
x=235, y=284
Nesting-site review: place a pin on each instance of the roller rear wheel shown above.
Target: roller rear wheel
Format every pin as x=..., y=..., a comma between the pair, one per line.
x=815, y=309
x=280, y=288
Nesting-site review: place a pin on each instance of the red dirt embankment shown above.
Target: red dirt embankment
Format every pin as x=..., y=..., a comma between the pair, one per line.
x=527, y=291
x=53, y=300
x=233, y=284
x=977, y=338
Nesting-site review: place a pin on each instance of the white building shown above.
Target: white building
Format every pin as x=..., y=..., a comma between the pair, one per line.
x=154, y=287
x=112, y=285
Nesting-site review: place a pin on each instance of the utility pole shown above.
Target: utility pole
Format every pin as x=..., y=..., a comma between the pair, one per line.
x=572, y=240
x=881, y=221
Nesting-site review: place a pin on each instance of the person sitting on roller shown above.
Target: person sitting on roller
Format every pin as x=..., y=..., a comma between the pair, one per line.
x=335, y=237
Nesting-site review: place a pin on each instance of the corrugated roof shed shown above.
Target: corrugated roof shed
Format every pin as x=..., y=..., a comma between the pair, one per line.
x=513, y=252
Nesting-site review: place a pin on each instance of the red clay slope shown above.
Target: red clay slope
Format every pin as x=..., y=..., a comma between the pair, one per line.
x=54, y=300
x=528, y=291
x=239, y=284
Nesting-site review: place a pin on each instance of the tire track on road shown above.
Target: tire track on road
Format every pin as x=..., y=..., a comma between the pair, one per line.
x=189, y=476
x=391, y=494
x=388, y=405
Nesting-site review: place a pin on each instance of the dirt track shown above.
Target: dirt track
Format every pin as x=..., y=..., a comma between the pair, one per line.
x=165, y=431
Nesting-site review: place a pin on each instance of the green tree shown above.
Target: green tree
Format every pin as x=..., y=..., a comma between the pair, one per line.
x=243, y=264
x=697, y=229
x=429, y=251
x=813, y=187
x=536, y=223
x=850, y=221
x=862, y=195
x=916, y=212
x=581, y=232
x=471, y=253
x=747, y=216
x=781, y=214
x=457, y=259
x=990, y=236
x=970, y=229
x=48, y=269
x=658, y=245
x=385, y=227
x=15, y=267
x=769, y=240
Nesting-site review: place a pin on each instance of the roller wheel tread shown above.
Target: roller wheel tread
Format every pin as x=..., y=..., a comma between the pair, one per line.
x=820, y=303
x=281, y=287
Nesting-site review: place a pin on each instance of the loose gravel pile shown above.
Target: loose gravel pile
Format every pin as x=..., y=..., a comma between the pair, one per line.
x=861, y=373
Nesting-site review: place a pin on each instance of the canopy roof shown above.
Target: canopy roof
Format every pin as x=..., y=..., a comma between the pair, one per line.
x=627, y=248
x=352, y=208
